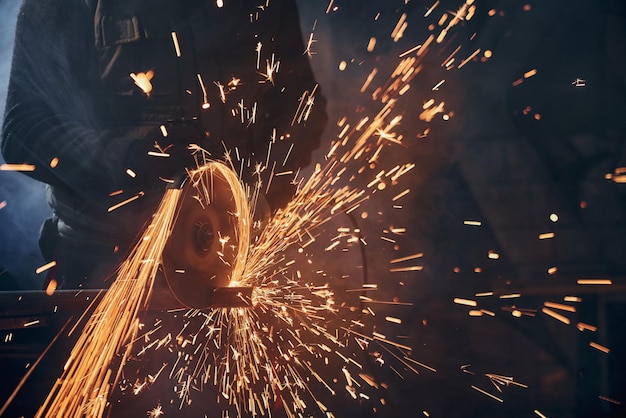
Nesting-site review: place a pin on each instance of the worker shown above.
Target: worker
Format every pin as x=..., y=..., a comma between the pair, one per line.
x=106, y=96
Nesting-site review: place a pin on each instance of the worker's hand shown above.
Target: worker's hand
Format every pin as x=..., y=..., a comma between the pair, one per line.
x=162, y=155
x=280, y=193
x=262, y=210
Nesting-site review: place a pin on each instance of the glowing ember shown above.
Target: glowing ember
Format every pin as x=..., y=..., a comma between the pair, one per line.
x=142, y=80
x=45, y=267
x=17, y=167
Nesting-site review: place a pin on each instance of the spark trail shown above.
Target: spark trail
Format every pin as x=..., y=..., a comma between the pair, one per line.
x=89, y=374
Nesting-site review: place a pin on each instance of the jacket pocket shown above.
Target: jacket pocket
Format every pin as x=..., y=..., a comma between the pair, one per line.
x=137, y=44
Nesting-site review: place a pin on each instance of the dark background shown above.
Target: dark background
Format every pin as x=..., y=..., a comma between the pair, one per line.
x=509, y=156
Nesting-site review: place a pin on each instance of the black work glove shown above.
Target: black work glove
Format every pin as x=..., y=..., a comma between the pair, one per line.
x=156, y=160
x=280, y=193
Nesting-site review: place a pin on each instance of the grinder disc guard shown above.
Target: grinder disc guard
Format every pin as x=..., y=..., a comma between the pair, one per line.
x=210, y=236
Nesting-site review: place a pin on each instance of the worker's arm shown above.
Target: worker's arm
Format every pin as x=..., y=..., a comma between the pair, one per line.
x=53, y=116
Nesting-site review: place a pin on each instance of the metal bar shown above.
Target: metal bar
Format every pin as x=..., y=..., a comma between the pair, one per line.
x=30, y=303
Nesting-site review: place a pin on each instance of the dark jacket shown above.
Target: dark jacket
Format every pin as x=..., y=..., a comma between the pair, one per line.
x=72, y=100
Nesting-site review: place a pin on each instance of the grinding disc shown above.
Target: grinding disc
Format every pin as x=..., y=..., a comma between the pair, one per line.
x=205, y=242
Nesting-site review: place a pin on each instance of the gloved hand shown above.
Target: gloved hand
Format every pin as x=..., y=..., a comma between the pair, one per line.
x=280, y=193
x=157, y=159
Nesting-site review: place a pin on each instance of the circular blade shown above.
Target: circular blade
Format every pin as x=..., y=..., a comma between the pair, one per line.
x=209, y=238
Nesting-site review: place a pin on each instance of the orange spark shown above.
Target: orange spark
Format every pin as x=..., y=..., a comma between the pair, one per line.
x=45, y=267
x=17, y=167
